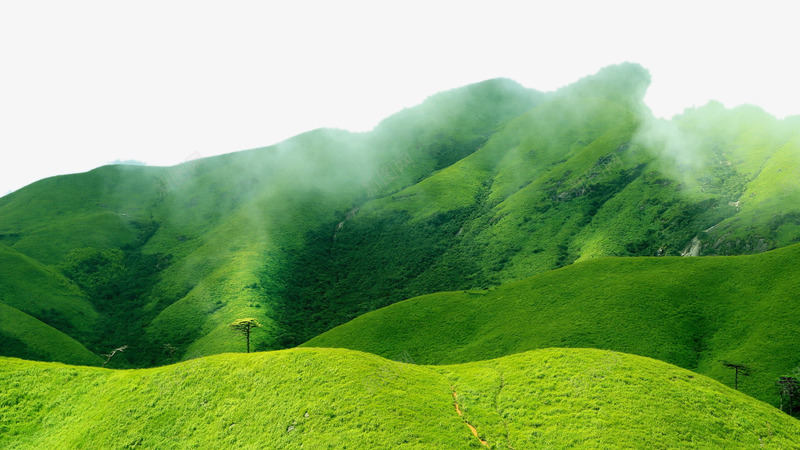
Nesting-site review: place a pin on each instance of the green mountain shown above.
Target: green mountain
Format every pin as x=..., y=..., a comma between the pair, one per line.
x=572, y=179
x=691, y=312
x=328, y=398
x=172, y=255
x=29, y=289
x=522, y=254
x=474, y=188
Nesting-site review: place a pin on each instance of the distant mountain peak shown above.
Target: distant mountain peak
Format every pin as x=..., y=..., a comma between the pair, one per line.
x=626, y=82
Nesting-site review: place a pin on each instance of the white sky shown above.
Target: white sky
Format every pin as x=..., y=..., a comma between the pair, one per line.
x=84, y=83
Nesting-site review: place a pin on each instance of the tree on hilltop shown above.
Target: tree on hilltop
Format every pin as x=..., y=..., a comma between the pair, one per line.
x=245, y=326
x=738, y=368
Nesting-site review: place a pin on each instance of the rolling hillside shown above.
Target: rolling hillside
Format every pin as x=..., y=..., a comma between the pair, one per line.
x=199, y=241
x=24, y=336
x=574, y=178
x=474, y=188
x=29, y=289
x=495, y=267
x=323, y=398
x=691, y=312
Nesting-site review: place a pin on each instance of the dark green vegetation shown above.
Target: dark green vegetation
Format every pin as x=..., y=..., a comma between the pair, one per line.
x=691, y=312
x=323, y=398
x=29, y=289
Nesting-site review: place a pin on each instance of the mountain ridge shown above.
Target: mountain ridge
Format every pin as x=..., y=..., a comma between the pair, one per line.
x=474, y=188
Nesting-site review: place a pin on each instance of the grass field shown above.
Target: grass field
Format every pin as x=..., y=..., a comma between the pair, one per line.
x=332, y=398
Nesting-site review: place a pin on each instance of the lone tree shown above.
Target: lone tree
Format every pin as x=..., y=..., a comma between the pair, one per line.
x=170, y=350
x=789, y=389
x=244, y=326
x=114, y=352
x=738, y=368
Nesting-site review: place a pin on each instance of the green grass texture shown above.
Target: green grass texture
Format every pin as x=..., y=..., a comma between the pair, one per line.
x=691, y=312
x=333, y=398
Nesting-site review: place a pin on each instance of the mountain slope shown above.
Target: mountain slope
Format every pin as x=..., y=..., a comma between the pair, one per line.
x=24, y=336
x=475, y=187
x=42, y=292
x=691, y=312
x=102, y=208
x=335, y=398
x=572, y=179
x=42, y=313
x=200, y=241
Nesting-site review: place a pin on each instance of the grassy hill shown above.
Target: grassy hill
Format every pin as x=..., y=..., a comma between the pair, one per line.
x=329, y=398
x=476, y=187
x=41, y=312
x=24, y=336
x=172, y=255
x=41, y=291
x=577, y=177
x=535, y=235
x=691, y=312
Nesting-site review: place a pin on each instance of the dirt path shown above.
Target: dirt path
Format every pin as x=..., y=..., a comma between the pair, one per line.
x=458, y=410
x=350, y=214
